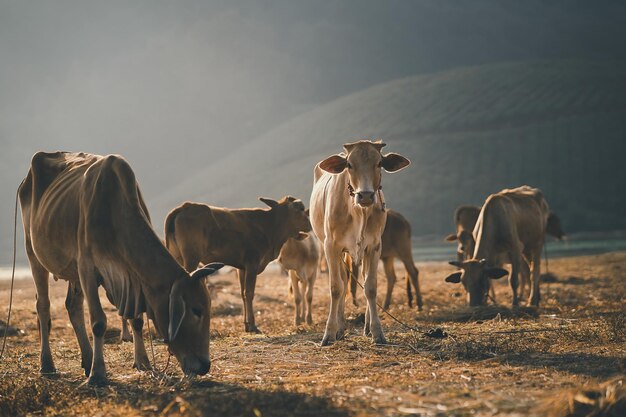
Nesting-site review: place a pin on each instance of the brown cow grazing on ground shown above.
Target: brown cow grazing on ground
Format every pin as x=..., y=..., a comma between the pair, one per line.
x=396, y=243
x=301, y=258
x=348, y=215
x=465, y=218
x=247, y=239
x=510, y=229
x=85, y=221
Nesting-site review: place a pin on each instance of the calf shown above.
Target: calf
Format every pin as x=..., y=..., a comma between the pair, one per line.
x=348, y=215
x=301, y=258
x=247, y=239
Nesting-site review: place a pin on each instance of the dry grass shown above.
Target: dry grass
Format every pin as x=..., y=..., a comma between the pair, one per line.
x=494, y=361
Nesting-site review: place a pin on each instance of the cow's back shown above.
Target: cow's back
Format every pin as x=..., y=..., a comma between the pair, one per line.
x=50, y=201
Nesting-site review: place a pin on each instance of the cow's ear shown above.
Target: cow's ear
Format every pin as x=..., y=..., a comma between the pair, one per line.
x=456, y=263
x=302, y=236
x=454, y=278
x=306, y=211
x=177, y=313
x=334, y=164
x=496, y=273
x=206, y=270
x=393, y=162
x=269, y=201
x=451, y=237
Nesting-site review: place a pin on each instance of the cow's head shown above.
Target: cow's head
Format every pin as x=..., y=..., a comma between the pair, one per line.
x=189, y=321
x=363, y=160
x=475, y=276
x=294, y=218
x=465, y=244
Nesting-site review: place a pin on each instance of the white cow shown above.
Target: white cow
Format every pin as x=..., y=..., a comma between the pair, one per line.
x=348, y=215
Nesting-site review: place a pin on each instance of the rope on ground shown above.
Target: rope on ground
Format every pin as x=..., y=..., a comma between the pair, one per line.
x=8, y=322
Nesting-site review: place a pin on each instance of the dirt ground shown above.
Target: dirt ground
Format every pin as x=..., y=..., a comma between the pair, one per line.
x=492, y=362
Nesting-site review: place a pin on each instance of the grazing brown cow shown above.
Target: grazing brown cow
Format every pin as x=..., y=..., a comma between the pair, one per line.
x=348, y=215
x=510, y=229
x=301, y=258
x=465, y=220
x=247, y=239
x=85, y=221
x=396, y=243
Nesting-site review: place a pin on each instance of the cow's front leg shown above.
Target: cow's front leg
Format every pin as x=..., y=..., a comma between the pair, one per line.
x=336, y=272
x=250, y=285
x=241, y=274
x=98, y=320
x=74, y=306
x=371, y=265
x=514, y=277
x=142, y=363
x=535, y=297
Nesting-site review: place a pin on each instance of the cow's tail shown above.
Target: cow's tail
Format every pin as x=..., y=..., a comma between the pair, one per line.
x=170, y=234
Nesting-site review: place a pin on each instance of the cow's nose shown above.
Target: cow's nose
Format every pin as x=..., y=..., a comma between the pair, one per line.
x=365, y=198
x=204, y=366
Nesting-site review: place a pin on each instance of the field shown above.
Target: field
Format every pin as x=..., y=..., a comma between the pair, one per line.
x=493, y=361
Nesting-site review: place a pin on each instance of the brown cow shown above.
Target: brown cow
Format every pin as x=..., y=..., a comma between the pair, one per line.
x=348, y=215
x=464, y=219
x=396, y=243
x=301, y=258
x=85, y=221
x=510, y=229
x=247, y=239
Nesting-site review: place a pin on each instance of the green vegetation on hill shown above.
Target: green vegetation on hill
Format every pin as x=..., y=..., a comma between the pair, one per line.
x=557, y=125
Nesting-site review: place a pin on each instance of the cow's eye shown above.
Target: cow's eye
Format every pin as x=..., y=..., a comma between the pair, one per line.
x=197, y=312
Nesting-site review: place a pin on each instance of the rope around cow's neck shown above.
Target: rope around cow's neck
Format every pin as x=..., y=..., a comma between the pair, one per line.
x=169, y=354
x=6, y=328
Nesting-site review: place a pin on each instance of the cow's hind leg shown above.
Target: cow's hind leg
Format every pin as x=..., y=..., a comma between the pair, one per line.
x=125, y=334
x=390, y=273
x=98, y=320
x=297, y=297
x=250, y=284
x=413, y=275
x=41, y=275
x=535, y=278
x=310, y=283
x=74, y=306
x=514, y=277
x=142, y=363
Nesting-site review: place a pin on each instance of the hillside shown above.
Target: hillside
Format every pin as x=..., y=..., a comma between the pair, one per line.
x=558, y=125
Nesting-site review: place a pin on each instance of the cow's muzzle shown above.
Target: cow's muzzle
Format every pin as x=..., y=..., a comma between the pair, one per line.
x=197, y=366
x=365, y=198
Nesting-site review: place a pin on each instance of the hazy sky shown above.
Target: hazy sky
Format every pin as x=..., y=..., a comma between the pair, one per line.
x=173, y=85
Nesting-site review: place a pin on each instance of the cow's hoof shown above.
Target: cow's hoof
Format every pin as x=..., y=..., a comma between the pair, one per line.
x=96, y=381
x=379, y=340
x=48, y=370
x=252, y=329
x=142, y=365
x=327, y=340
x=86, y=365
x=341, y=334
x=126, y=338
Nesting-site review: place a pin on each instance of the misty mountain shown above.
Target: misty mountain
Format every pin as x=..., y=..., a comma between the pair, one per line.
x=556, y=125
x=177, y=86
